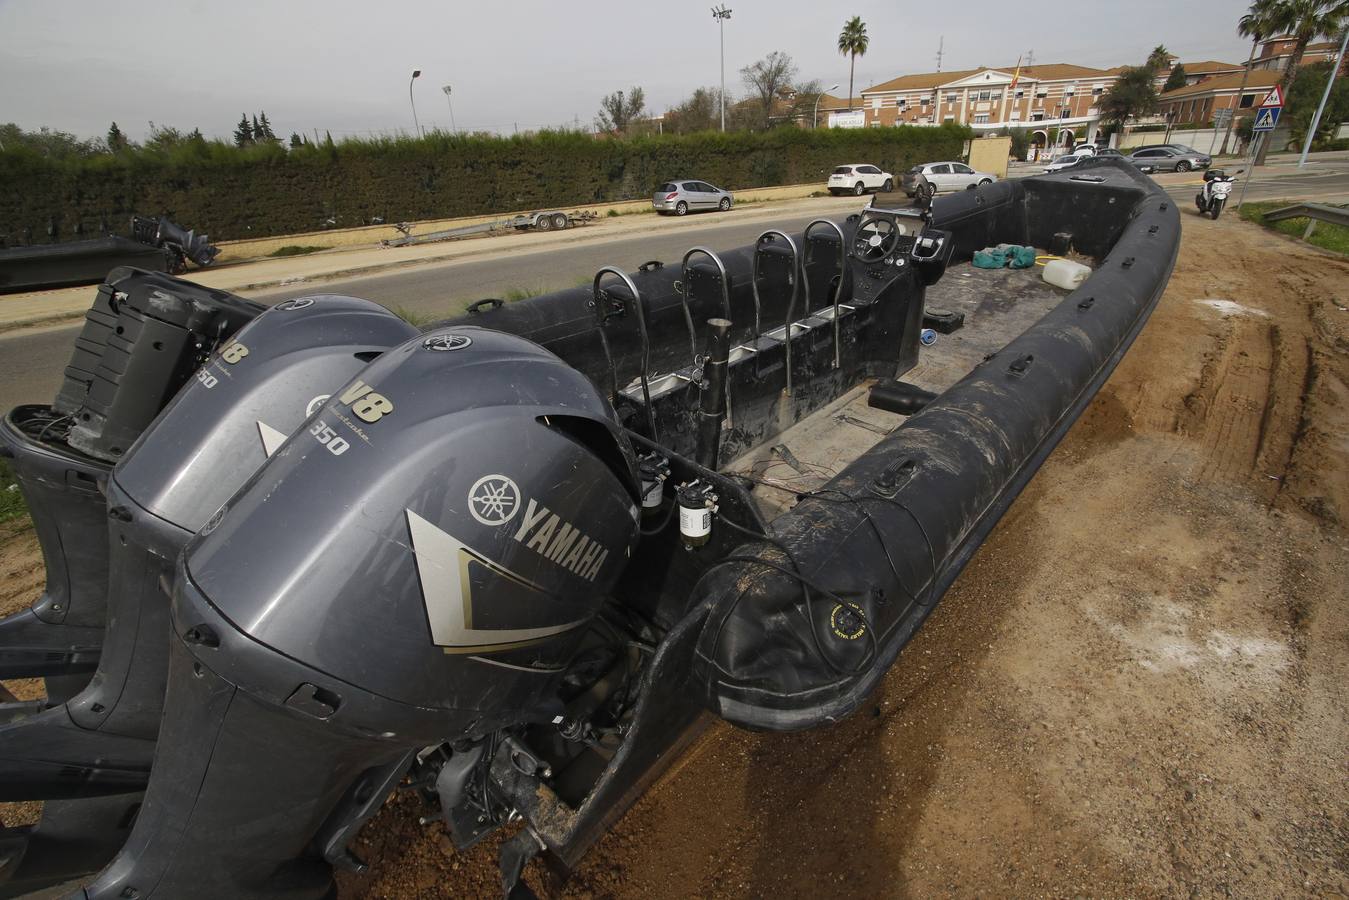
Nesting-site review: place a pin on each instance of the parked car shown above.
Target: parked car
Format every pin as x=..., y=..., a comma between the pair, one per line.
x=1064, y=162
x=930, y=178
x=681, y=197
x=1168, y=159
x=859, y=178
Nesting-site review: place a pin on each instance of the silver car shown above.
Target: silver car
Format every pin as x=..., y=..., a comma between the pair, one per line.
x=1168, y=158
x=929, y=178
x=681, y=197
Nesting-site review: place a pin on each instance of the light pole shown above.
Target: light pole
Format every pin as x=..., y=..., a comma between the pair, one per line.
x=721, y=14
x=816, y=123
x=416, y=128
x=453, y=128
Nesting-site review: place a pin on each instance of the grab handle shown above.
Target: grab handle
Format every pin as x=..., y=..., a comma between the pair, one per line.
x=838, y=290
x=725, y=304
x=599, y=301
x=774, y=234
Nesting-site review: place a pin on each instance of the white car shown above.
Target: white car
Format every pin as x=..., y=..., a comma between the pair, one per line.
x=859, y=178
x=929, y=178
x=1064, y=162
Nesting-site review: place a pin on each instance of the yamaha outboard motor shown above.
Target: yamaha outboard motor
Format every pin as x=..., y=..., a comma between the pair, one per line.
x=418, y=566
x=238, y=410
x=144, y=336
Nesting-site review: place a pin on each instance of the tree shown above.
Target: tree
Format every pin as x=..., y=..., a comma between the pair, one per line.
x=1175, y=80
x=265, y=128
x=697, y=113
x=1304, y=95
x=767, y=78
x=1134, y=92
x=804, y=96
x=617, y=111
x=296, y=140
x=1158, y=59
x=243, y=132
x=1305, y=20
x=47, y=142
x=117, y=141
x=852, y=43
x=257, y=129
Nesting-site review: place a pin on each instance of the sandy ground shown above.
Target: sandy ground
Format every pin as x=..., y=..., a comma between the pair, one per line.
x=1135, y=689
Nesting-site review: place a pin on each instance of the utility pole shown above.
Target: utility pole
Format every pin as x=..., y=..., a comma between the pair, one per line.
x=1330, y=82
x=1030, y=58
x=454, y=129
x=416, y=127
x=941, y=43
x=721, y=14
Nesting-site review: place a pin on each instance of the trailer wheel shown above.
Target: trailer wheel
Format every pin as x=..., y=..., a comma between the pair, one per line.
x=543, y=223
x=560, y=221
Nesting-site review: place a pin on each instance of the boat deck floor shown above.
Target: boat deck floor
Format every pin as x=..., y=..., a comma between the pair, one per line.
x=999, y=304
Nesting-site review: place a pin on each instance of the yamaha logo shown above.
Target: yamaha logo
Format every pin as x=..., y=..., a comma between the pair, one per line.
x=294, y=304
x=494, y=499
x=447, y=342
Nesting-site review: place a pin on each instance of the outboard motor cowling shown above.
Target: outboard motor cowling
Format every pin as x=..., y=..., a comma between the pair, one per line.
x=240, y=408
x=417, y=567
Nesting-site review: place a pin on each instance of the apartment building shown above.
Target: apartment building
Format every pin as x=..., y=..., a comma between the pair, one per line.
x=1060, y=95
x=1204, y=101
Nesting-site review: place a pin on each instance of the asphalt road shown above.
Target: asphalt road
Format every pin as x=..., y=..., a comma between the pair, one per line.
x=31, y=360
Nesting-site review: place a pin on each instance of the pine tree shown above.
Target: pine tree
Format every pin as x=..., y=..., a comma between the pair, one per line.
x=267, y=128
x=116, y=140
x=257, y=129
x=243, y=132
x=295, y=140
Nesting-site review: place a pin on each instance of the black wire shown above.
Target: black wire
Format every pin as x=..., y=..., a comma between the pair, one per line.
x=876, y=530
x=807, y=585
x=669, y=513
x=931, y=550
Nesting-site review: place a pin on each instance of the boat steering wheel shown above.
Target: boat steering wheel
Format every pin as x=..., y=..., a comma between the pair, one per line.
x=875, y=239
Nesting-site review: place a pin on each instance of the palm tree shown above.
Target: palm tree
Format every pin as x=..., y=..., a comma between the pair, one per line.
x=852, y=43
x=1304, y=20
x=1255, y=26
x=1159, y=59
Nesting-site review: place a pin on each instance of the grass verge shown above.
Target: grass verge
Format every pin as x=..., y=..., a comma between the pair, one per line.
x=11, y=498
x=1334, y=238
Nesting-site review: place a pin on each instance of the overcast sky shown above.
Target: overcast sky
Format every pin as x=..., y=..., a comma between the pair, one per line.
x=343, y=66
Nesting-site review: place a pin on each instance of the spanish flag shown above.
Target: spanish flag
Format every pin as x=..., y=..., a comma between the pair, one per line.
x=1016, y=75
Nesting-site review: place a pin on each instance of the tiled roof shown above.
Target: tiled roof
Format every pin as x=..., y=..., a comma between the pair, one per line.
x=1209, y=65
x=1043, y=72
x=1259, y=78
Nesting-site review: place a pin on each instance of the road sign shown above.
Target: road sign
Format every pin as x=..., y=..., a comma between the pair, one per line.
x=1266, y=118
x=1273, y=99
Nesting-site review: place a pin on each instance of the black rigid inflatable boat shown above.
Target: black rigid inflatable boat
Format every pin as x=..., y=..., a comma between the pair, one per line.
x=510, y=562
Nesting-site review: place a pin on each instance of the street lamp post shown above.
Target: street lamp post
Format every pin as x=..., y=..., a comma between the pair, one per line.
x=453, y=128
x=721, y=14
x=1316, y=119
x=416, y=127
x=816, y=123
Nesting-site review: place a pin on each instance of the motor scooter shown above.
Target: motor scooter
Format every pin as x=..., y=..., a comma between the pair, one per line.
x=1213, y=197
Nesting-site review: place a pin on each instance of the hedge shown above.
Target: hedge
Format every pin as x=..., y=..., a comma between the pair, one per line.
x=268, y=190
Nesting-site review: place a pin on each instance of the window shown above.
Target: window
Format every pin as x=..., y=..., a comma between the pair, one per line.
x=981, y=119
x=1037, y=117
x=984, y=95
x=1097, y=90
x=668, y=187
x=942, y=169
x=952, y=98
x=1041, y=94
x=843, y=170
x=1247, y=101
x=869, y=170
x=961, y=169
x=1065, y=113
x=1148, y=154
x=903, y=103
x=1020, y=93
x=949, y=119
x=997, y=95
x=1069, y=90
x=1016, y=115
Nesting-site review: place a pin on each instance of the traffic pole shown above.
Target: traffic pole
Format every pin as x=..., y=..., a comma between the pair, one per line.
x=1255, y=149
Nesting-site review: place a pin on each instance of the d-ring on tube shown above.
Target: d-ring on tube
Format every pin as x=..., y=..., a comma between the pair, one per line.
x=641, y=326
x=791, y=304
x=842, y=264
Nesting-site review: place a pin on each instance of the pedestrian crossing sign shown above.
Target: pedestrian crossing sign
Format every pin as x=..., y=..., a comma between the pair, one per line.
x=1266, y=118
x=1273, y=98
